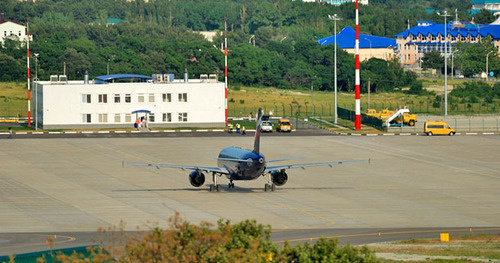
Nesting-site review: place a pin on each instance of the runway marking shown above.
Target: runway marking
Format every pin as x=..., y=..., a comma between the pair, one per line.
x=392, y=233
x=56, y=242
x=124, y=153
x=303, y=211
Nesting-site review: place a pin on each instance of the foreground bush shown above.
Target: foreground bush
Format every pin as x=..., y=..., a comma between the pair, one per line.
x=246, y=241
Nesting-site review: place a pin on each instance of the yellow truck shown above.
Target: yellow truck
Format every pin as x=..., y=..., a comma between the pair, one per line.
x=408, y=119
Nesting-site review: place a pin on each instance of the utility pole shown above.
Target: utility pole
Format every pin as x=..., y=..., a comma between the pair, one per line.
x=487, y=73
x=369, y=87
x=312, y=99
x=445, y=14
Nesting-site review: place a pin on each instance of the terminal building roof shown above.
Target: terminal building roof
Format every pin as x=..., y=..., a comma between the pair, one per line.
x=346, y=39
x=462, y=29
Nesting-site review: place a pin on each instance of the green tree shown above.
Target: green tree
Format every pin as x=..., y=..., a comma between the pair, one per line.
x=484, y=17
x=433, y=60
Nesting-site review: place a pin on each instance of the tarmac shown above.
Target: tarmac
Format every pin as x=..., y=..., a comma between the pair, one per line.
x=77, y=185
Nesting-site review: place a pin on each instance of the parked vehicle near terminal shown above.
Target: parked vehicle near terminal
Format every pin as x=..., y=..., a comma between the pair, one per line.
x=267, y=126
x=284, y=125
x=438, y=128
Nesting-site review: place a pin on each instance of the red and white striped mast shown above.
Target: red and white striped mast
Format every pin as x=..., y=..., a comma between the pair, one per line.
x=357, y=121
x=225, y=63
x=28, y=64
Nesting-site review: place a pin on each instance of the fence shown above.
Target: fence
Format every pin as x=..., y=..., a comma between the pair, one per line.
x=427, y=107
x=461, y=116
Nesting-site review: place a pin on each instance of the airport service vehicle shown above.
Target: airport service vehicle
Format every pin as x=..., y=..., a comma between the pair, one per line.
x=267, y=126
x=394, y=117
x=284, y=125
x=438, y=128
x=239, y=164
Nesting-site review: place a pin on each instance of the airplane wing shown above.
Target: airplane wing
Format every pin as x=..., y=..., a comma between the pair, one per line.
x=303, y=166
x=206, y=169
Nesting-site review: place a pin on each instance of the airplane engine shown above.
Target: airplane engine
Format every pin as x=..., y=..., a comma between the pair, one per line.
x=279, y=178
x=196, y=178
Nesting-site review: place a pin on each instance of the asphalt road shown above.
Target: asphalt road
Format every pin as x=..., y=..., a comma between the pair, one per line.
x=415, y=186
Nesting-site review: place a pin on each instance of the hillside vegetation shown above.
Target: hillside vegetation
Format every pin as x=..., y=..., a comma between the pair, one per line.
x=158, y=36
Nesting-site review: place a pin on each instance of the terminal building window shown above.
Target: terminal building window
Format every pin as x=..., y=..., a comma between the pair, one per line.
x=183, y=117
x=117, y=118
x=128, y=117
x=117, y=98
x=103, y=98
x=87, y=118
x=151, y=97
x=151, y=117
x=167, y=117
x=140, y=97
x=128, y=98
x=103, y=117
x=167, y=97
x=86, y=98
x=183, y=97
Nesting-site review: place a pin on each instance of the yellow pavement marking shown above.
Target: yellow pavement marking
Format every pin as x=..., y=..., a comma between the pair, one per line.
x=56, y=241
x=393, y=233
x=303, y=211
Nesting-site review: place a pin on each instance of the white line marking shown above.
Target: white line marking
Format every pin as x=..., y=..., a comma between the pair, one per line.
x=120, y=131
x=103, y=132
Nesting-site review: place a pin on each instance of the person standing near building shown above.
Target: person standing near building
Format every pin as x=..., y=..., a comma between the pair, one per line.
x=137, y=123
x=10, y=132
x=243, y=130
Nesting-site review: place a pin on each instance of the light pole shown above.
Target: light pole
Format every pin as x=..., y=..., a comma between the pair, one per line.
x=445, y=14
x=487, y=73
x=108, y=67
x=36, y=90
x=370, y=46
x=335, y=18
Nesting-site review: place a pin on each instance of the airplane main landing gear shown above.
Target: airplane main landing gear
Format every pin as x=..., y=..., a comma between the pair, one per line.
x=230, y=185
x=269, y=187
x=214, y=187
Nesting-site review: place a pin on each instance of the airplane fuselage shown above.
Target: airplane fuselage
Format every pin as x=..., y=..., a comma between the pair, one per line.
x=242, y=164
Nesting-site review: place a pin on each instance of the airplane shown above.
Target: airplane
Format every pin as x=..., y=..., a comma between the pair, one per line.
x=239, y=164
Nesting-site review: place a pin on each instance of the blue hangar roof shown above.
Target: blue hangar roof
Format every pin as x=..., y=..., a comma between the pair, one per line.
x=467, y=29
x=346, y=39
x=113, y=77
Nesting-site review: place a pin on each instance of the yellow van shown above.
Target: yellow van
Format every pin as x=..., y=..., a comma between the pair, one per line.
x=284, y=125
x=438, y=128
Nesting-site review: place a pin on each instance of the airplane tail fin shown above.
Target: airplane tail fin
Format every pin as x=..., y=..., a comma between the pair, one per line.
x=256, y=143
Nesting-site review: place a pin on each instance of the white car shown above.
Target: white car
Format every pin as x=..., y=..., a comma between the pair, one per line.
x=266, y=126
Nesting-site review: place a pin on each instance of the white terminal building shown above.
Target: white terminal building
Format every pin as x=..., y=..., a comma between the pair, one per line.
x=117, y=101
